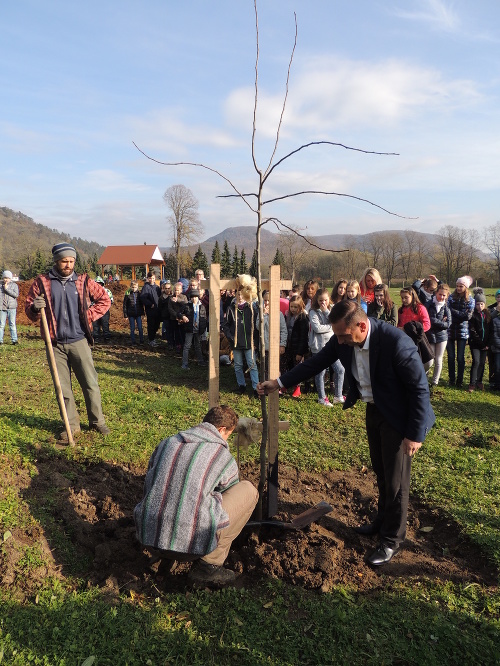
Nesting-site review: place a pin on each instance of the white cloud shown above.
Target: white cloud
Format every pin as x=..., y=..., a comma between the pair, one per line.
x=439, y=15
x=106, y=180
x=165, y=131
x=22, y=140
x=330, y=93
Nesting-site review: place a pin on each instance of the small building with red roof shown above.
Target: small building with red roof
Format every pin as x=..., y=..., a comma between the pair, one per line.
x=133, y=256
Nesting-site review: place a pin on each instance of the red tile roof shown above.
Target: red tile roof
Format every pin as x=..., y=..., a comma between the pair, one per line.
x=130, y=255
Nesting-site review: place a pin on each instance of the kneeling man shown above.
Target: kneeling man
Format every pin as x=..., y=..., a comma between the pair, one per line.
x=193, y=499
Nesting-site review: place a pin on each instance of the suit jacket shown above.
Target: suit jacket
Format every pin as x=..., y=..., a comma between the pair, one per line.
x=399, y=384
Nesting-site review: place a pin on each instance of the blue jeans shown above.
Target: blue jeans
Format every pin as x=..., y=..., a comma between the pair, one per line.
x=132, y=321
x=252, y=366
x=11, y=316
x=450, y=348
x=319, y=380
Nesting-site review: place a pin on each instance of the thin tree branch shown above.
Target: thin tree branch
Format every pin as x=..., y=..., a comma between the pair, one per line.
x=336, y=194
x=277, y=222
x=319, y=143
x=269, y=169
x=202, y=166
x=254, y=123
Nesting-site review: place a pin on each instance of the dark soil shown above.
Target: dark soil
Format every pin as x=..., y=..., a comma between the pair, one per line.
x=93, y=507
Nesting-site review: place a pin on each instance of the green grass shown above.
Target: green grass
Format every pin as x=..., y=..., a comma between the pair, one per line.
x=403, y=622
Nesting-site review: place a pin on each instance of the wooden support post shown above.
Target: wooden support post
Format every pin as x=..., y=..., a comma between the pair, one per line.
x=273, y=400
x=274, y=284
x=214, y=338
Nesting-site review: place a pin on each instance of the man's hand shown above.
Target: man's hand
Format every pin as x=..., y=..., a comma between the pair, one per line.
x=39, y=303
x=410, y=447
x=269, y=386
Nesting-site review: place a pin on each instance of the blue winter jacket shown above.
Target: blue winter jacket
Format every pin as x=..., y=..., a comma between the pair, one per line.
x=461, y=312
x=440, y=322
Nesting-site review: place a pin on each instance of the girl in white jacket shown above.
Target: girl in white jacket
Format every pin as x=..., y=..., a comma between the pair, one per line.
x=319, y=333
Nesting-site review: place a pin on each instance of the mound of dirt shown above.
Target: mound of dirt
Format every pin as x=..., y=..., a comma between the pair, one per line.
x=93, y=506
x=117, y=323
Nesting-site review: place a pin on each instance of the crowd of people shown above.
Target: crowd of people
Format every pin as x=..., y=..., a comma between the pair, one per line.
x=373, y=351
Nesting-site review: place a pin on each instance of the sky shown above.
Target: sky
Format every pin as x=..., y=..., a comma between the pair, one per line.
x=82, y=82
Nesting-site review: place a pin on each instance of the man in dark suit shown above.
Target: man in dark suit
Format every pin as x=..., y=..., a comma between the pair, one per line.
x=384, y=370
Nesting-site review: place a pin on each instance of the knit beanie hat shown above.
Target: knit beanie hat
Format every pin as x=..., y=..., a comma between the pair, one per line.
x=497, y=293
x=479, y=296
x=7, y=274
x=63, y=250
x=194, y=292
x=466, y=280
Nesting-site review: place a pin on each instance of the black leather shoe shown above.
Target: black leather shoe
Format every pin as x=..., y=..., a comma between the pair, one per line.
x=382, y=555
x=368, y=529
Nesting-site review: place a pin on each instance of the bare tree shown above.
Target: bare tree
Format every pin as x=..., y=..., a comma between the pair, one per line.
x=472, y=243
x=492, y=242
x=391, y=255
x=255, y=202
x=184, y=221
x=409, y=244
x=422, y=252
x=294, y=249
x=452, y=244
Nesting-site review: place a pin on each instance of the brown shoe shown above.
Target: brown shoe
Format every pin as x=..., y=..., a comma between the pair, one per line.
x=471, y=388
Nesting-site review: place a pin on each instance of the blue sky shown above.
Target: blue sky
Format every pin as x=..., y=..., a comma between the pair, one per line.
x=82, y=81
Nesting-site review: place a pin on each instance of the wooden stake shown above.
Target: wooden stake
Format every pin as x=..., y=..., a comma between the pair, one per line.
x=55, y=378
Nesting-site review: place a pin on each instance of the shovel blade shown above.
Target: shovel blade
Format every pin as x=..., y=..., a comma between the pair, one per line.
x=310, y=515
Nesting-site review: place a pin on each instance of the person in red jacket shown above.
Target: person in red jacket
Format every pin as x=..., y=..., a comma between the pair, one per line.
x=412, y=309
x=72, y=303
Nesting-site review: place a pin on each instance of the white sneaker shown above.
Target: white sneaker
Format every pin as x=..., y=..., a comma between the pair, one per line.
x=153, y=343
x=337, y=400
x=325, y=402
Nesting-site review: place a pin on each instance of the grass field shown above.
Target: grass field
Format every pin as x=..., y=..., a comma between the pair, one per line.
x=66, y=622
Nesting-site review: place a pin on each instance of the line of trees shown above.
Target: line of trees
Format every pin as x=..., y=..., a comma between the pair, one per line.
x=400, y=257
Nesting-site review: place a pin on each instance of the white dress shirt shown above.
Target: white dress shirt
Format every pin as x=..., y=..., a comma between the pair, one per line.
x=361, y=368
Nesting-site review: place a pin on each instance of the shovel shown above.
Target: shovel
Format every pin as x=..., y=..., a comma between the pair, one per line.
x=55, y=377
x=299, y=522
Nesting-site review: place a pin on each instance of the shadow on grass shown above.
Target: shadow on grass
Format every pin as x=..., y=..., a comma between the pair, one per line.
x=269, y=624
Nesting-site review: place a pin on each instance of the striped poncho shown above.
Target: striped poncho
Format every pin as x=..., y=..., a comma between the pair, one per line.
x=181, y=509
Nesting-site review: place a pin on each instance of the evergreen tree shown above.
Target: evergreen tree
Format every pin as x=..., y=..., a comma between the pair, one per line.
x=279, y=259
x=225, y=264
x=235, y=263
x=253, y=265
x=243, y=262
x=170, y=266
x=94, y=266
x=80, y=264
x=216, y=259
x=41, y=263
x=200, y=261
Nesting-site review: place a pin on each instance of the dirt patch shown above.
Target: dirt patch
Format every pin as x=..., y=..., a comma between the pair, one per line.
x=93, y=507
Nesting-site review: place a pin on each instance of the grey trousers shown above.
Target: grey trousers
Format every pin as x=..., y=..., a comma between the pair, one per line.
x=78, y=357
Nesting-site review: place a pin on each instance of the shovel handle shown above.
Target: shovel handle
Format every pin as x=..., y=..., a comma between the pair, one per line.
x=55, y=377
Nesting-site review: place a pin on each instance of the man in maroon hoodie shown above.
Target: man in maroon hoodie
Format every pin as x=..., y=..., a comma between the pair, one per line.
x=72, y=302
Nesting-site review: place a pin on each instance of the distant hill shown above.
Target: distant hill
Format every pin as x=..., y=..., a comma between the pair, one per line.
x=20, y=235
x=244, y=238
